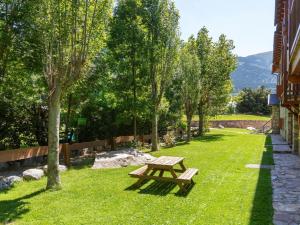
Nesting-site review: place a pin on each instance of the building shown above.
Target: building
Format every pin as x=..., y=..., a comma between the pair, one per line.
x=286, y=65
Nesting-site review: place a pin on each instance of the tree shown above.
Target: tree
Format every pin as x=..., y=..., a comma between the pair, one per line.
x=73, y=33
x=160, y=18
x=204, y=49
x=188, y=73
x=126, y=43
x=217, y=63
x=253, y=101
x=22, y=111
x=220, y=77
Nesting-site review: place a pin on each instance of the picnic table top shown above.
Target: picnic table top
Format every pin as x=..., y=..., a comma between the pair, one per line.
x=166, y=161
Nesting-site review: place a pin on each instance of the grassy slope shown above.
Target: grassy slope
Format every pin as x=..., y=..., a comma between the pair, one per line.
x=234, y=117
x=225, y=191
x=241, y=117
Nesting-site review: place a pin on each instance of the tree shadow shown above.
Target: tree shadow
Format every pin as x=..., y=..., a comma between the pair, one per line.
x=211, y=137
x=262, y=209
x=159, y=188
x=83, y=163
x=11, y=210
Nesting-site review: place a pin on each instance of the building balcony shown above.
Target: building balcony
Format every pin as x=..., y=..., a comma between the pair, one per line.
x=279, y=90
x=292, y=94
x=294, y=40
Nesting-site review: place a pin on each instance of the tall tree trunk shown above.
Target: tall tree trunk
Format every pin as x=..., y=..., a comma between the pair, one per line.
x=188, y=131
x=68, y=117
x=134, y=103
x=154, y=137
x=113, y=128
x=201, y=119
x=53, y=139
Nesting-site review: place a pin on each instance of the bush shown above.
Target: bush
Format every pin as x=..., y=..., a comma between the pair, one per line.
x=253, y=101
x=169, y=139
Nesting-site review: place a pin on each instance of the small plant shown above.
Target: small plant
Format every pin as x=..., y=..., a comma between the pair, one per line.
x=169, y=139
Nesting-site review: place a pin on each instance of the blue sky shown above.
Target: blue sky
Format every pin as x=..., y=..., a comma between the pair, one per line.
x=249, y=23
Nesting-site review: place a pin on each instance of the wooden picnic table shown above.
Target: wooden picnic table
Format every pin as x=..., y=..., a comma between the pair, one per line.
x=182, y=176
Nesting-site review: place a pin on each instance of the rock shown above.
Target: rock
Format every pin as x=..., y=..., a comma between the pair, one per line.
x=259, y=166
x=14, y=179
x=33, y=174
x=61, y=168
x=4, y=183
x=121, y=158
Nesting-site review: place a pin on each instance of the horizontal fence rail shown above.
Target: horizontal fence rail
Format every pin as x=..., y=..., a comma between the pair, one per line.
x=65, y=149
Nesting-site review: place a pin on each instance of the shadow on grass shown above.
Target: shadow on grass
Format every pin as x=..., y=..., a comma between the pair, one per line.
x=262, y=209
x=205, y=138
x=159, y=188
x=11, y=210
x=211, y=137
x=83, y=163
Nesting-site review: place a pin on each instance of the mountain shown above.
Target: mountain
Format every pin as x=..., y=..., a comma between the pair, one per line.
x=254, y=71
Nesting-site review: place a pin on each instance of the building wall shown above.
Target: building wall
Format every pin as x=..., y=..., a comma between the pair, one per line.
x=295, y=145
x=275, y=119
x=284, y=123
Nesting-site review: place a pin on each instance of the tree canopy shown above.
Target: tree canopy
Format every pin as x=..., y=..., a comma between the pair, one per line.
x=121, y=68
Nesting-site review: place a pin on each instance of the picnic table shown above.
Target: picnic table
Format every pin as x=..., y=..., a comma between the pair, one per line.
x=183, y=177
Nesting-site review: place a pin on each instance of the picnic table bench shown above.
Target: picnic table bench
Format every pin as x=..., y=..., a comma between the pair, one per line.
x=163, y=164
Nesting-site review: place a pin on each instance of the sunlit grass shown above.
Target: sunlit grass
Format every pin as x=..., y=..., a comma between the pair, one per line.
x=234, y=117
x=225, y=192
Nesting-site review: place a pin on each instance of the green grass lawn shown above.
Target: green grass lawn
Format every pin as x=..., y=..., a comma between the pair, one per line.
x=241, y=117
x=234, y=117
x=225, y=191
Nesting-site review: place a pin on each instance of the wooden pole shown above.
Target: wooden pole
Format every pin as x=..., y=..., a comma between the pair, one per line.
x=67, y=155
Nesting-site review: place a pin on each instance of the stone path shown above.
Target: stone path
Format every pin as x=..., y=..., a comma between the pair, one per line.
x=286, y=187
x=259, y=166
x=279, y=145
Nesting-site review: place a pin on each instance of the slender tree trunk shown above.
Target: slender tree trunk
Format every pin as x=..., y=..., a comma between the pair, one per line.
x=188, y=131
x=134, y=104
x=201, y=119
x=113, y=130
x=154, y=138
x=68, y=116
x=53, y=139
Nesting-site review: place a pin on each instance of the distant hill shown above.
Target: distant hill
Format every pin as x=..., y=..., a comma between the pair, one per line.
x=254, y=71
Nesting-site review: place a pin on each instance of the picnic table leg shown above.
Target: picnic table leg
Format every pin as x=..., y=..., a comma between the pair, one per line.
x=161, y=173
x=181, y=185
x=173, y=173
x=153, y=172
x=142, y=179
x=182, y=166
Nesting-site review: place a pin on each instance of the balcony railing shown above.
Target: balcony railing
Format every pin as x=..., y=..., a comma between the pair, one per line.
x=292, y=94
x=294, y=25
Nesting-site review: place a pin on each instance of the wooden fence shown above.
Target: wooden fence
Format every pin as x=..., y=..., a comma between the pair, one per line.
x=65, y=149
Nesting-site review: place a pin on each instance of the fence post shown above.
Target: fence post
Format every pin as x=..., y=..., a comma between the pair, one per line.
x=67, y=155
x=143, y=141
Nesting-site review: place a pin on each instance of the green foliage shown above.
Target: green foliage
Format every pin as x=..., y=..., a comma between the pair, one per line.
x=23, y=115
x=121, y=69
x=217, y=63
x=253, y=101
x=189, y=76
x=127, y=47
